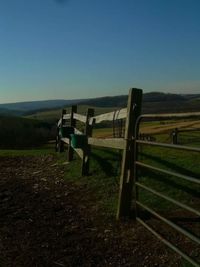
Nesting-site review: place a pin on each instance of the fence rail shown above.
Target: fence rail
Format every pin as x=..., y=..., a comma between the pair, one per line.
x=130, y=184
x=138, y=185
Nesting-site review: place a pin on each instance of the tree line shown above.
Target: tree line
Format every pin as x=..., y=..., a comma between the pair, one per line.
x=21, y=133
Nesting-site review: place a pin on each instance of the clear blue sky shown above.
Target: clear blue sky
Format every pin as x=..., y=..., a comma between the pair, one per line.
x=86, y=48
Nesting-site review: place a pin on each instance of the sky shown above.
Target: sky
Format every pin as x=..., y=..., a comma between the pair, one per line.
x=68, y=49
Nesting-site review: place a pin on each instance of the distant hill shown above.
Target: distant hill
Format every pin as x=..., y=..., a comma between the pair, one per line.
x=10, y=112
x=152, y=102
x=121, y=101
x=37, y=105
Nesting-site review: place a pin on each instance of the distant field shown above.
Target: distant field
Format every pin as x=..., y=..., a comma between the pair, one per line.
x=167, y=126
x=153, y=128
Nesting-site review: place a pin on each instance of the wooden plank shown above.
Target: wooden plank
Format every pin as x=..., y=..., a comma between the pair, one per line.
x=67, y=116
x=62, y=118
x=117, y=143
x=79, y=117
x=76, y=131
x=114, y=115
x=128, y=173
x=87, y=150
x=61, y=144
x=79, y=152
x=70, y=152
x=65, y=140
x=59, y=122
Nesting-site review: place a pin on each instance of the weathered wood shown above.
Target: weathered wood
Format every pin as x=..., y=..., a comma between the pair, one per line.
x=62, y=118
x=76, y=131
x=127, y=172
x=117, y=143
x=65, y=140
x=60, y=142
x=174, y=135
x=87, y=150
x=79, y=152
x=79, y=117
x=67, y=116
x=114, y=115
x=59, y=122
x=70, y=151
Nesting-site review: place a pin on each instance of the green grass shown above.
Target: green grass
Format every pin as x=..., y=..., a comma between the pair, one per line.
x=182, y=162
x=105, y=172
x=43, y=150
x=103, y=180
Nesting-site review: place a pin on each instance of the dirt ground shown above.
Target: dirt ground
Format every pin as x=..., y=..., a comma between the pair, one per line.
x=47, y=221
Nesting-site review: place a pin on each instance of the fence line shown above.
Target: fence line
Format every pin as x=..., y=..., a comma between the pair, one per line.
x=129, y=179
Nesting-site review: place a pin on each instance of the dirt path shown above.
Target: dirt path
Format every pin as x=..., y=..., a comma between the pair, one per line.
x=46, y=221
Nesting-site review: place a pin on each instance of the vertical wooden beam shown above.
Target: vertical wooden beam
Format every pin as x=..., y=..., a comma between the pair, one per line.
x=61, y=144
x=175, y=136
x=70, y=152
x=87, y=149
x=62, y=119
x=127, y=173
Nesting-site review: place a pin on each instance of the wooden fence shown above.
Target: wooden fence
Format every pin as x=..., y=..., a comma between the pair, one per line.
x=131, y=114
x=129, y=179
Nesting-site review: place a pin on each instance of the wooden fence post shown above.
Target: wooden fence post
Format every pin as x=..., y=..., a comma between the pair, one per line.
x=61, y=144
x=70, y=152
x=87, y=150
x=128, y=167
x=175, y=136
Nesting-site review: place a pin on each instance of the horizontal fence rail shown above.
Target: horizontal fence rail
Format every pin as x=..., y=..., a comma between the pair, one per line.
x=79, y=117
x=169, y=244
x=138, y=185
x=110, y=116
x=170, y=223
x=185, y=177
x=67, y=116
x=163, y=196
x=164, y=145
x=117, y=143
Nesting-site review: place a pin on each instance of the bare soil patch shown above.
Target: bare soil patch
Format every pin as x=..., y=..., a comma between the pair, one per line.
x=48, y=221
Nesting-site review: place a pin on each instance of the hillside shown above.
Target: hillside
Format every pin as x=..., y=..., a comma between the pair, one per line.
x=10, y=112
x=36, y=105
x=16, y=132
x=152, y=103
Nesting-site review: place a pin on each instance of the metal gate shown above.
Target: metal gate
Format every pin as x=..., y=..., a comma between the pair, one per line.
x=138, y=185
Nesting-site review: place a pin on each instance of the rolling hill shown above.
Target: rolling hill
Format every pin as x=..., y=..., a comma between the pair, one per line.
x=23, y=107
x=152, y=102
